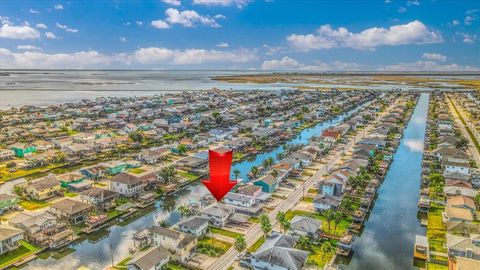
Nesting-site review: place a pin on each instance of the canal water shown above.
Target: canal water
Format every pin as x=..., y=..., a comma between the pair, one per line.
x=96, y=252
x=387, y=240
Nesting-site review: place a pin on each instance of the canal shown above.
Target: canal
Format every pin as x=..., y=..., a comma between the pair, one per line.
x=96, y=251
x=387, y=240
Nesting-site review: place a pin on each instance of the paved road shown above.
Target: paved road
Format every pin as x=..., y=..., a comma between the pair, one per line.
x=472, y=148
x=255, y=232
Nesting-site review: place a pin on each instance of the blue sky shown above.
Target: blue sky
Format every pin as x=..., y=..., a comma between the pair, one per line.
x=242, y=34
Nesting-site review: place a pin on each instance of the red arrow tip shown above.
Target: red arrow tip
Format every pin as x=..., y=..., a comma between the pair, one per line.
x=219, y=183
x=219, y=189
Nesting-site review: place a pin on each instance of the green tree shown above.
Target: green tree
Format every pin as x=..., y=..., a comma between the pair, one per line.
x=265, y=224
x=254, y=171
x=136, y=136
x=283, y=221
x=240, y=244
x=326, y=248
x=182, y=149
x=236, y=173
x=304, y=243
x=11, y=165
x=167, y=173
x=329, y=215
x=337, y=219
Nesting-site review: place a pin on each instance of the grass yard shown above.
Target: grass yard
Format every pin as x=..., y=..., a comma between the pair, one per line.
x=224, y=232
x=215, y=242
x=436, y=230
x=256, y=245
x=174, y=266
x=113, y=214
x=137, y=170
x=123, y=263
x=434, y=266
x=33, y=204
x=187, y=175
x=70, y=194
x=23, y=251
x=318, y=258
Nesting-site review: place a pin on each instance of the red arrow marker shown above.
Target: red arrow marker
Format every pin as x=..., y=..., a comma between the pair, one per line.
x=219, y=183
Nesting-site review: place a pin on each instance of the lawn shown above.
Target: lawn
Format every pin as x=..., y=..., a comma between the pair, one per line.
x=33, y=204
x=5, y=175
x=70, y=194
x=434, y=266
x=215, y=242
x=257, y=244
x=113, y=213
x=224, y=232
x=318, y=258
x=123, y=263
x=187, y=175
x=174, y=266
x=23, y=251
x=137, y=170
x=436, y=230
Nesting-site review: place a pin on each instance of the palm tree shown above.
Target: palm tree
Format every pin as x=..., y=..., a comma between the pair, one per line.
x=325, y=248
x=236, y=172
x=347, y=203
x=275, y=173
x=283, y=221
x=240, y=244
x=304, y=243
x=337, y=218
x=328, y=217
x=184, y=211
x=254, y=171
x=265, y=224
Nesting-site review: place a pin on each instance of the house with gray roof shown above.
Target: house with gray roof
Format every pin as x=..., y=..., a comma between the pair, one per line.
x=278, y=253
x=305, y=226
x=197, y=226
x=154, y=258
x=460, y=246
x=9, y=238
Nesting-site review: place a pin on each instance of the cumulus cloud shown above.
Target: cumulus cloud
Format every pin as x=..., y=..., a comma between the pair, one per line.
x=191, y=56
x=28, y=47
x=471, y=16
x=123, y=39
x=402, y=10
x=326, y=37
x=287, y=63
x=455, y=22
x=222, y=45
x=238, y=3
x=160, y=24
x=189, y=18
x=142, y=56
x=139, y=23
x=33, y=11
x=58, y=7
x=468, y=38
x=172, y=2
x=427, y=66
x=66, y=28
x=41, y=26
x=413, y=3
x=434, y=57
x=50, y=35
x=17, y=32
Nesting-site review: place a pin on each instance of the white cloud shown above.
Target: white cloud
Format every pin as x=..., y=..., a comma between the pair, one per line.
x=41, y=26
x=388, y=1
x=455, y=22
x=66, y=28
x=427, y=66
x=222, y=45
x=28, y=47
x=413, y=3
x=402, y=9
x=58, y=7
x=142, y=56
x=188, y=18
x=414, y=145
x=123, y=39
x=139, y=23
x=127, y=23
x=468, y=38
x=50, y=35
x=154, y=55
x=172, y=2
x=18, y=32
x=219, y=17
x=287, y=63
x=471, y=16
x=33, y=11
x=434, y=57
x=326, y=37
x=238, y=3
x=160, y=24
